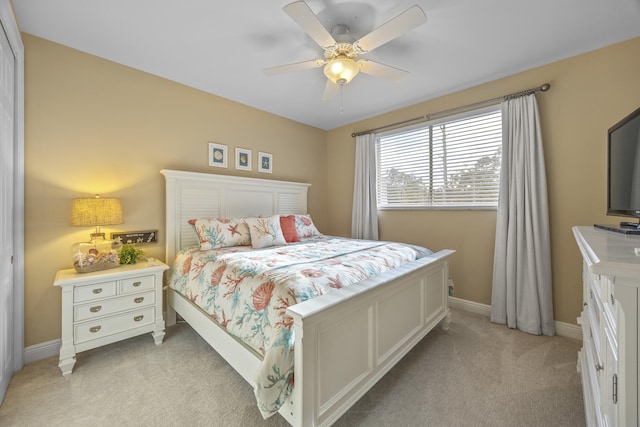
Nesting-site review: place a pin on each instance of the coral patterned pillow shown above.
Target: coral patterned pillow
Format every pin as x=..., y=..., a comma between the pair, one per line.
x=305, y=226
x=221, y=232
x=288, y=226
x=265, y=232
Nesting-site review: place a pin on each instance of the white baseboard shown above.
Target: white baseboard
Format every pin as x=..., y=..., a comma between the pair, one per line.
x=36, y=352
x=568, y=330
x=563, y=329
x=470, y=306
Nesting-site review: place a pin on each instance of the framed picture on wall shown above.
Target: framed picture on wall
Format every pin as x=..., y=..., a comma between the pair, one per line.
x=243, y=159
x=265, y=162
x=217, y=155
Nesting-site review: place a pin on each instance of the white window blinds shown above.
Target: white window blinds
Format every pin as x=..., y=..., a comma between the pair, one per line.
x=450, y=163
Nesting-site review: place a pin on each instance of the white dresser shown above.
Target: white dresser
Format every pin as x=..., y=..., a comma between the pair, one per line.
x=107, y=306
x=608, y=360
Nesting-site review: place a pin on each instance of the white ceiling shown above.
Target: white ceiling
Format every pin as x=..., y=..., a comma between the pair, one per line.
x=221, y=46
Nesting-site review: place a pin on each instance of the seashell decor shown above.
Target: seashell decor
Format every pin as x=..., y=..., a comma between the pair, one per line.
x=94, y=256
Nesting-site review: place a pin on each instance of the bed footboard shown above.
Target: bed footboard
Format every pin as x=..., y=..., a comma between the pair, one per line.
x=344, y=344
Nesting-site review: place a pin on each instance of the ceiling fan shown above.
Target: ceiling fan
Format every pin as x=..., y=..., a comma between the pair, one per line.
x=340, y=63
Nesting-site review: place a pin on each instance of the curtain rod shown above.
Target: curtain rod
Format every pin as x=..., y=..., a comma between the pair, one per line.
x=545, y=87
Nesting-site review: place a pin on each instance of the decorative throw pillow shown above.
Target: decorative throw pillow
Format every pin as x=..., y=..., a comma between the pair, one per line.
x=305, y=226
x=288, y=226
x=216, y=233
x=265, y=232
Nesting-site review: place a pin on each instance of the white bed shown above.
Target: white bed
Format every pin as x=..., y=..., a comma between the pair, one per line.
x=379, y=319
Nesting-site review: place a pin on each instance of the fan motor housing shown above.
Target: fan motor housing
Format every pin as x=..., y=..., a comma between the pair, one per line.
x=346, y=50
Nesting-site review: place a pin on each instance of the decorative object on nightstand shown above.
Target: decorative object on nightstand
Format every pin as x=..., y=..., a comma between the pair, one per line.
x=129, y=254
x=103, y=307
x=99, y=253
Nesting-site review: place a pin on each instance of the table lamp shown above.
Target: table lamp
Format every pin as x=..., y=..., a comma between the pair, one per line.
x=99, y=253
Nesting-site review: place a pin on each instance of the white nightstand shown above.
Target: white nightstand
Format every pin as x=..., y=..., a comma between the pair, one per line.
x=106, y=306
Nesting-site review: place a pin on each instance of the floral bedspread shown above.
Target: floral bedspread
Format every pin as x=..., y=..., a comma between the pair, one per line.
x=247, y=292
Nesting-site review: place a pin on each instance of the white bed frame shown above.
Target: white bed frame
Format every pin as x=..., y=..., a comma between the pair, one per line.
x=346, y=340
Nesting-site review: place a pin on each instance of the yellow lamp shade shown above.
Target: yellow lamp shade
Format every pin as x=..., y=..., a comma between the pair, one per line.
x=95, y=211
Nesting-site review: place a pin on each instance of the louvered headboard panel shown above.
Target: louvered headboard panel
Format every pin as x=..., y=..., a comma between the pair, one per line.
x=191, y=195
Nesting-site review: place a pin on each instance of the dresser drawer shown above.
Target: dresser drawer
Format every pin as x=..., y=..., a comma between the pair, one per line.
x=594, y=363
x=136, y=284
x=611, y=336
x=593, y=280
x=111, y=325
x=94, y=291
x=112, y=305
x=610, y=307
x=591, y=332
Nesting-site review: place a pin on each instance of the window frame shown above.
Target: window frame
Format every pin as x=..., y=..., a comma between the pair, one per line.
x=426, y=124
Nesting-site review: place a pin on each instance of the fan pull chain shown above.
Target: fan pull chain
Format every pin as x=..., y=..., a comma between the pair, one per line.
x=341, y=100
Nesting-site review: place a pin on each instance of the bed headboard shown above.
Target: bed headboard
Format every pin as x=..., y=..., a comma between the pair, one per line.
x=197, y=195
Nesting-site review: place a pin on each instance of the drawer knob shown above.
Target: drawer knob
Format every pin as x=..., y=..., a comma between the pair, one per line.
x=95, y=329
x=97, y=290
x=599, y=367
x=138, y=318
x=136, y=284
x=138, y=300
x=95, y=309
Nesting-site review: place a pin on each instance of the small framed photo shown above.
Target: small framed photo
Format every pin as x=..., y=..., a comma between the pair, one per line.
x=243, y=159
x=217, y=155
x=265, y=162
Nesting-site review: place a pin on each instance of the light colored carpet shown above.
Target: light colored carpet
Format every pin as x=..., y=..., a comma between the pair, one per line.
x=476, y=374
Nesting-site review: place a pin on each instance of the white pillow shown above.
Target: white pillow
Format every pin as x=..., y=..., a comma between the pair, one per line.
x=265, y=232
x=305, y=226
x=216, y=233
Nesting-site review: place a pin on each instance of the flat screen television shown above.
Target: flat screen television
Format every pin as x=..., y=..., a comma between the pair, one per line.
x=623, y=174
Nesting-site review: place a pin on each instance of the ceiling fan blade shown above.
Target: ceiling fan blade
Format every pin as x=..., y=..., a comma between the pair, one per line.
x=298, y=66
x=403, y=23
x=309, y=22
x=381, y=70
x=330, y=91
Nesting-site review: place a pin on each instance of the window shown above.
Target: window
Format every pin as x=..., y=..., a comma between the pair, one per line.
x=452, y=163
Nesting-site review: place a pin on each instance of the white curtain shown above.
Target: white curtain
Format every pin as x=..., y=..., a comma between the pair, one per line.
x=522, y=293
x=364, y=216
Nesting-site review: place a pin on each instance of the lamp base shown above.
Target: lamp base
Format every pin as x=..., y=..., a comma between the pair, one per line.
x=98, y=254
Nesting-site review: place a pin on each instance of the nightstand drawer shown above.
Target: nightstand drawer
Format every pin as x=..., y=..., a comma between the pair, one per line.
x=113, y=305
x=95, y=291
x=136, y=284
x=102, y=327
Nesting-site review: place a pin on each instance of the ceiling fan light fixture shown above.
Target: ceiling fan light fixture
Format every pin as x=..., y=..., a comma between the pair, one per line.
x=341, y=70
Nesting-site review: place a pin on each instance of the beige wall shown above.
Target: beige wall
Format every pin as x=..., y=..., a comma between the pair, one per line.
x=589, y=93
x=93, y=126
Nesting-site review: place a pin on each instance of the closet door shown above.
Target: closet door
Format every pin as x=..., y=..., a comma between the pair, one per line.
x=7, y=141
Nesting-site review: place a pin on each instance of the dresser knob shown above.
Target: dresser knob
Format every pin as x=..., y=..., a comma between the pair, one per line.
x=95, y=309
x=138, y=318
x=136, y=284
x=138, y=300
x=95, y=329
x=97, y=290
x=599, y=367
